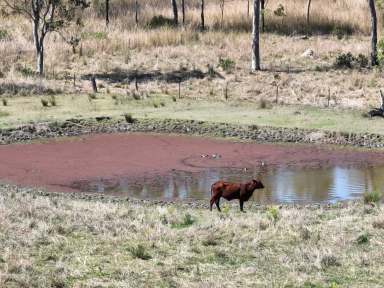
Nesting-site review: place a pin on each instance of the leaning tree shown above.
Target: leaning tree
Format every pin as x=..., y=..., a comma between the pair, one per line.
x=47, y=16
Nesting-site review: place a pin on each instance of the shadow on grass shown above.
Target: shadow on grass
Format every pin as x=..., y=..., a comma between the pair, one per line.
x=176, y=76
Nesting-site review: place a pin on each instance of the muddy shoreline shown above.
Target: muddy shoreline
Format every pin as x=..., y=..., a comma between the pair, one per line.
x=253, y=133
x=196, y=204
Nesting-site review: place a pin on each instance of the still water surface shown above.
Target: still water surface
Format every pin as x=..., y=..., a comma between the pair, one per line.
x=283, y=185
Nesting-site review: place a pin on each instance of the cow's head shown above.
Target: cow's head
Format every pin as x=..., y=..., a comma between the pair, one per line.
x=256, y=184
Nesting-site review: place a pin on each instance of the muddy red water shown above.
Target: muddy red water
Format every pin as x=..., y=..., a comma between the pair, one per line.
x=58, y=165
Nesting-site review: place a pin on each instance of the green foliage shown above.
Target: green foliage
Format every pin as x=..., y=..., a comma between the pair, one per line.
x=372, y=197
x=273, y=213
x=362, y=239
x=380, y=51
x=160, y=21
x=187, y=221
x=226, y=64
x=347, y=60
x=140, y=252
x=4, y=35
x=97, y=35
x=129, y=118
x=25, y=71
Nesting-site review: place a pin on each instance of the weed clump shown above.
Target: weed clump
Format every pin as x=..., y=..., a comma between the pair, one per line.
x=139, y=252
x=362, y=239
x=372, y=197
x=4, y=101
x=226, y=64
x=160, y=21
x=187, y=221
x=44, y=102
x=129, y=118
x=347, y=60
x=273, y=213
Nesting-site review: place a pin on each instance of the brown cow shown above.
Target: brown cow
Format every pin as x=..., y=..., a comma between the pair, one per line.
x=230, y=191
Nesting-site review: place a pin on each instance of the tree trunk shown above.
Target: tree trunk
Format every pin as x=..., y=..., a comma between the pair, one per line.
x=136, y=12
x=372, y=8
x=106, y=12
x=202, y=15
x=40, y=60
x=183, y=10
x=256, y=36
x=248, y=9
x=222, y=12
x=262, y=15
x=175, y=13
x=38, y=39
x=308, y=10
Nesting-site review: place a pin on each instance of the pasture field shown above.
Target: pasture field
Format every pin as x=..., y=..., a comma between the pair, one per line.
x=60, y=241
x=75, y=240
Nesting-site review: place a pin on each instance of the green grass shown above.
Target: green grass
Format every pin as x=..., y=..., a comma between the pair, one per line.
x=27, y=109
x=372, y=197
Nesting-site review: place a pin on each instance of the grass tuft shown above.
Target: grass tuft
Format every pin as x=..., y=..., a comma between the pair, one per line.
x=139, y=252
x=373, y=197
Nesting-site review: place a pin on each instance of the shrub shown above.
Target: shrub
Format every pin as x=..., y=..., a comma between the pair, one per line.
x=362, y=239
x=91, y=97
x=226, y=64
x=4, y=101
x=160, y=21
x=139, y=252
x=129, y=118
x=347, y=60
x=344, y=60
x=362, y=61
x=273, y=213
x=25, y=71
x=372, y=197
x=4, y=35
x=329, y=260
x=44, y=102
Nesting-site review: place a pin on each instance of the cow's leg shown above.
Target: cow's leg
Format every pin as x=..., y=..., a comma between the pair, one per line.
x=241, y=205
x=211, y=202
x=218, y=204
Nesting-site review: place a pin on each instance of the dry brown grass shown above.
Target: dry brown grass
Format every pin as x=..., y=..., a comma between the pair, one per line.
x=120, y=51
x=58, y=241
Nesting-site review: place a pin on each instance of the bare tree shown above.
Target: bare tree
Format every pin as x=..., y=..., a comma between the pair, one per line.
x=47, y=16
x=175, y=13
x=308, y=10
x=222, y=3
x=106, y=12
x=183, y=10
x=136, y=12
x=202, y=15
x=256, y=36
x=262, y=15
x=372, y=8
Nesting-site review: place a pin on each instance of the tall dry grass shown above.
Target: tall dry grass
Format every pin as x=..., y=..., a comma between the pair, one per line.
x=326, y=16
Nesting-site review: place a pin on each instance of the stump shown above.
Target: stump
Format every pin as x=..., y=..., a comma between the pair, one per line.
x=378, y=111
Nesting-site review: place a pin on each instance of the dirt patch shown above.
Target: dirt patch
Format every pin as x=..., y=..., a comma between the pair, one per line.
x=56, y=164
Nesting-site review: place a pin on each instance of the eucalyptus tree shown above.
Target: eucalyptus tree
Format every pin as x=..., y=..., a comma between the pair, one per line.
x=47, y=16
